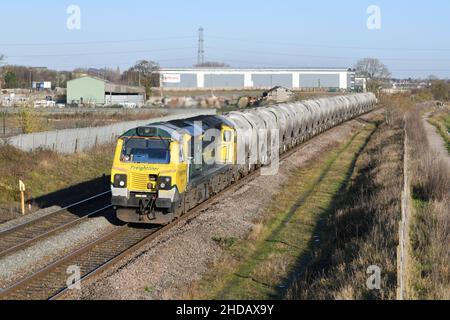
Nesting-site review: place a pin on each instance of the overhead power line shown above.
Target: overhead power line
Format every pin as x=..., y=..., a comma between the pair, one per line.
x=327, y=46
x=98, y=53
x=92, y=42
x=112, y=65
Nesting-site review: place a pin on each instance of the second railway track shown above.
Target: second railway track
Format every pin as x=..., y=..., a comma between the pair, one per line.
x=26, y=234
x=96, y=257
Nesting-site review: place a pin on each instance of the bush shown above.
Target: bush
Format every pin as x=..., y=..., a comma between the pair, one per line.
x=30, y=122
x=440, y=90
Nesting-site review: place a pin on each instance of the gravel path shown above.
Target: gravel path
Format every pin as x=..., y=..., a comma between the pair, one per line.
x=167, y=267
x=436, y=142
x=18, y=265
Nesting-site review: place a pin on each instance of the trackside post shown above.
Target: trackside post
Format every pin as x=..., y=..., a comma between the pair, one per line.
x=22, y=196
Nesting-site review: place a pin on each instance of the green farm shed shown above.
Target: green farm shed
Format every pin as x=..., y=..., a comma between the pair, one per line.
x=95, y=91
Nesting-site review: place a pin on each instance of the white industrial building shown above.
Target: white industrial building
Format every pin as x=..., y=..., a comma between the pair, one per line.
x=296, y=79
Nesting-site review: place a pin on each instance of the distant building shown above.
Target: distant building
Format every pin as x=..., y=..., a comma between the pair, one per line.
x=95, y=91
x=360, y=84
x=42, y=85
x=296, y=79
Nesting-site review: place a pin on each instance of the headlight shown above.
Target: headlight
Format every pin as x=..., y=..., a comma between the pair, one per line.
x=165, y=183
x=120, y=181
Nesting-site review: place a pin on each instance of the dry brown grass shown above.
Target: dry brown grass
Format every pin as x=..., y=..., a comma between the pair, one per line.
x=45, y=172
x=29, y=120
x=263, y=265
x=430, y=227
x=364, y=229
x=441, y=120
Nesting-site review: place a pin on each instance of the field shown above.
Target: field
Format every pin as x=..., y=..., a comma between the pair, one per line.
x=27, y=120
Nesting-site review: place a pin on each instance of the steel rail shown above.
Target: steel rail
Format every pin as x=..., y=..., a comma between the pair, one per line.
x=50, y=233
x=34, y=286
x=27, y=223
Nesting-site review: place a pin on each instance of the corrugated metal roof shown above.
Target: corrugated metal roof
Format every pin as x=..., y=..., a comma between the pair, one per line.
x=254, y=69
x=115, y=87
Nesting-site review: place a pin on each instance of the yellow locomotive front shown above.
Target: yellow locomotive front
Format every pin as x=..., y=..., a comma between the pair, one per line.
x=149, y=174
x=157, y=167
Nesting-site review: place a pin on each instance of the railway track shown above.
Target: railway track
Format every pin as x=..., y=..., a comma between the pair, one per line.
x=105, y=252
x=97, y=257
x=30, y=232
x=51, y=280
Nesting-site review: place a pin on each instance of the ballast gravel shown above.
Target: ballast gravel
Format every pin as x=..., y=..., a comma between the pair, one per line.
x=167, y=267
x=30, y=217
x=22, y=263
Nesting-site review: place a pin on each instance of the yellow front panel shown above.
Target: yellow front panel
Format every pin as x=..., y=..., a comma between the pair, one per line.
x=139, y=174
x=139, y=181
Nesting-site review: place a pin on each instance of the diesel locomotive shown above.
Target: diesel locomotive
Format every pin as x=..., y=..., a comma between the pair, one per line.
x=163, y=170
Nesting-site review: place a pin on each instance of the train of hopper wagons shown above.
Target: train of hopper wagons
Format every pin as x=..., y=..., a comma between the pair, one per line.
x=164, y=170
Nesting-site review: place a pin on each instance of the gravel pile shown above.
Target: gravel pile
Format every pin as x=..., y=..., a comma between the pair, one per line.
x=166, y=268
x=20, y=264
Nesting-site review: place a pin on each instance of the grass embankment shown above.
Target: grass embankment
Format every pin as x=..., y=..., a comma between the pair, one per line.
x=263, y=266
x=429, y=274
x=44, y=172
x=441, y=120
x=362, y=230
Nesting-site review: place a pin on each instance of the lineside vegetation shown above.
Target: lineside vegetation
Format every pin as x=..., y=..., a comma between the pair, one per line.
x=429, y=276
x=44, y=172
x=362, y=230
x=441, y=120
x=264, y=265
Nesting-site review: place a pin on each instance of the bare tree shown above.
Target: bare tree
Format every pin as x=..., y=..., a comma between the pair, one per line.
x=373, y=69
x=144, y=73
x=432, y=77
x=376, y=72
x=145, y=68
x=440, y=90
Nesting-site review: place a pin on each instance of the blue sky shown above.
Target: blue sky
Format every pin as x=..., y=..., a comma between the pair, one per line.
x=413, y=39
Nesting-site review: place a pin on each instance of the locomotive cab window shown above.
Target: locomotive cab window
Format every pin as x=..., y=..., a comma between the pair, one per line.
x=227, y=136
x=150, y=151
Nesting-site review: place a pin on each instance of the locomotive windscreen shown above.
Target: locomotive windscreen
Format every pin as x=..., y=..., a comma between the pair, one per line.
x=149, y=151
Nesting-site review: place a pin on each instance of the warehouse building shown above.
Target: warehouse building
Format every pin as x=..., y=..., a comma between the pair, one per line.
x=95, y=91
x=297, y=79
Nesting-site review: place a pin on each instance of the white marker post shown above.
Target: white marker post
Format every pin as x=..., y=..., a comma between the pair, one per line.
x=22, y=196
